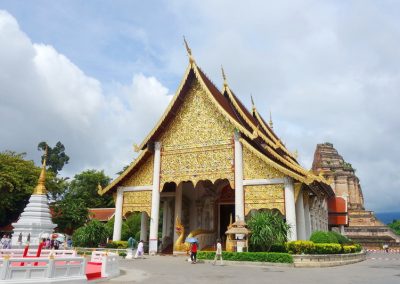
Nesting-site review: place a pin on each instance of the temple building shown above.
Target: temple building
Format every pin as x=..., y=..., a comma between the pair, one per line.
x=209, y=158
x=360, y=225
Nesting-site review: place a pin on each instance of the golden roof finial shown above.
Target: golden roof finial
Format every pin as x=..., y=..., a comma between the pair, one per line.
x=189, y=51
x=296, y=154
x=224, y=77
x=136, y=147
x=271, y=124
x=253, y=105
x=40, y=189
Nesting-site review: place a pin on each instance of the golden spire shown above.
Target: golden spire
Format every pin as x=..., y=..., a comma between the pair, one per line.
x=253, y=105
x=40, y=189
x=224, y=77
x=270, y=120
x=189, y=51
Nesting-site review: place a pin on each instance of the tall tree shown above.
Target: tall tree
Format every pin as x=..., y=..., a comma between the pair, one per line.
x=85, y=186
x=18, y=178
x=56, y=157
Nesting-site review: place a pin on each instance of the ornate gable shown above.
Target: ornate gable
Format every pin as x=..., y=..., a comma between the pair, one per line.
x=198, y=142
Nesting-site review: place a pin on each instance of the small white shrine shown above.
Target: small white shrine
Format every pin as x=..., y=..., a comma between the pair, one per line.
x=35, y=221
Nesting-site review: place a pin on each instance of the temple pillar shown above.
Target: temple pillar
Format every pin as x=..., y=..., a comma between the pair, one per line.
x=290, y=209
x=155, y=200
x=307, y=218
x=165, y=219
x=118, y=215
x=300, y=218
x=178, y=207
x=239, y=195
x=144, y=223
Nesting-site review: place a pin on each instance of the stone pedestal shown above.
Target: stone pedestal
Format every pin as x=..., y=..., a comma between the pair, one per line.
x=35, y=220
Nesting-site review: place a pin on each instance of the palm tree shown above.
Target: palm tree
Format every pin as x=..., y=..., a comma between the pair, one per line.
x=267, y=229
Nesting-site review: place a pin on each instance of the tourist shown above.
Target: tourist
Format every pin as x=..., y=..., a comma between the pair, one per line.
x=48, y=244
x=3, y=242
x=193, y=252
x=69, y=243
x=140, y=250
x=218, y=252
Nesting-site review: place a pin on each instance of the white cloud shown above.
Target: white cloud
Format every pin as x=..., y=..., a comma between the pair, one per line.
x=44, y=96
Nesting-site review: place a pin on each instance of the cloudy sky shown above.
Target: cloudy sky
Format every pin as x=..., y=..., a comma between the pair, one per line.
x=96, y=75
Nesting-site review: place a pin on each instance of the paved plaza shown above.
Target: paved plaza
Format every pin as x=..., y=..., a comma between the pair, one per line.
x=378, y=268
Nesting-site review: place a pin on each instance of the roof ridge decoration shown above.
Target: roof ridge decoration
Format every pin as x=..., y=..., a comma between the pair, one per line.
x=224, y=78
x=271, y=124
x=189, y=51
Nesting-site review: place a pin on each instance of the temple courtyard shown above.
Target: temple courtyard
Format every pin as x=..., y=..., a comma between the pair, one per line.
x=378, y=268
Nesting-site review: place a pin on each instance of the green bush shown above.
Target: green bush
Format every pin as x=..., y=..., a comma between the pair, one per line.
x=90, y=235
x=320, y=237
x=327, y=249
x=267, y=228
x=300, y=247
x=249, y=256
x=117, y=244
x=121, y=253
x=278, y=248
x=343, y=240
x=358, y=247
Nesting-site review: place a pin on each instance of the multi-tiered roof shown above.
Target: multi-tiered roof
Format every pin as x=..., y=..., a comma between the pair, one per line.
x=255, y=132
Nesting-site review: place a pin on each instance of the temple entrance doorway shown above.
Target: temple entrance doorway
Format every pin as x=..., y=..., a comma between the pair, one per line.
x=226, y=211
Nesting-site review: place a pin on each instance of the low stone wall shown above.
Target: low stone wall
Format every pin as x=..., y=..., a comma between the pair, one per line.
x=326, y=260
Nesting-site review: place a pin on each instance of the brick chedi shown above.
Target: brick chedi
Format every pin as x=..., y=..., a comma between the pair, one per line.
x=362, y=225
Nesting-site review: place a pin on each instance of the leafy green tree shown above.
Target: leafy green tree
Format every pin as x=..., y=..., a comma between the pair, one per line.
x=395, y=226
x=90, y=235
x=70, y=213
x=56, y=157
x=267, y=229
x=18, y=178
x=85, y=186
x=130, y=227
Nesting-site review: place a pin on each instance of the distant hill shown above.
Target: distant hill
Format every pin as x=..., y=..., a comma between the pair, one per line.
x=387, y=217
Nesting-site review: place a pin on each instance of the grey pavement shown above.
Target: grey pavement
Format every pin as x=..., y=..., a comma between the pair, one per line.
x=378, y=268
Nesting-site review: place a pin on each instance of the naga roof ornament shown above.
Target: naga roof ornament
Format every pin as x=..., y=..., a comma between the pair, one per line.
x=189, y=51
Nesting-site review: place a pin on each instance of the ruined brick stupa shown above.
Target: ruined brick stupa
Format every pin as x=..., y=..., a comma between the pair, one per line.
x=363, y=226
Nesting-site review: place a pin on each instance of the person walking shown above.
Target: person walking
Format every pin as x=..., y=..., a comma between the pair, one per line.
x=140, y=250
x=218, y=252
x=193, y=252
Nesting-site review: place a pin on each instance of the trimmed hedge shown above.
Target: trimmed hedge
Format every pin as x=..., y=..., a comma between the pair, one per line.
x=117, y=244
x=249, y=256
x=300, y=247
x=308, y=247
x=327, y=249
x=320, y=237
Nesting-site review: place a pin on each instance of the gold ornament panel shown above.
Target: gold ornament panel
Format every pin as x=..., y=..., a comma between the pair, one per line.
x=198, y=144
x=143, y=175
x=264, y=197
x=255, y=168
x=139, y=201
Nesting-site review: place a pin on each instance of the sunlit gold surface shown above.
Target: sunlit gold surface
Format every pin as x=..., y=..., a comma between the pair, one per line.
x=198, y=143
x=264, y=197
x=137, y=201
x=143, y=175
x=255, y=168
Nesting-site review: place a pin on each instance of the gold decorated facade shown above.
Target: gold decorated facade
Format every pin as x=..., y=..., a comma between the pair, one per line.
x=196, y=134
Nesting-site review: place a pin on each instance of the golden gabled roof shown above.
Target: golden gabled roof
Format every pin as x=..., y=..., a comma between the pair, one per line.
x=252, y=127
